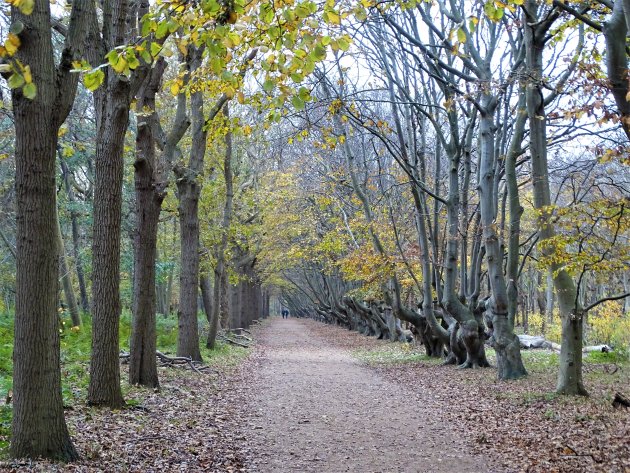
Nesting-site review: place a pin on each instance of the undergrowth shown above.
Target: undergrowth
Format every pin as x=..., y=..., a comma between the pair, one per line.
x=75, y=361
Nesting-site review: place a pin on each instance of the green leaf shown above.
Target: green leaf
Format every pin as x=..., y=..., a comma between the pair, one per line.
x=15, y=81
x=132, y=60
x=210, y=6
x=93, y=80
x=162, y=29
x=217, y=65
x=16, y=27
x=344, y=43
x=29, y=91
x=297, y=103
x=319, y=52
x=172, y=26
x=269, y=85
x=112, y=57
x=155, y=49
x=146, y=56
x=301, y=11
x=266, y=13
x=461, y=35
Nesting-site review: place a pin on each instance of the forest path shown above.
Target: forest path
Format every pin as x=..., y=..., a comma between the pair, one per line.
x=313, y=408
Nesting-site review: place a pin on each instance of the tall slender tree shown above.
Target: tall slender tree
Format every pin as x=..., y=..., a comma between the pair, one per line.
x=39, y=428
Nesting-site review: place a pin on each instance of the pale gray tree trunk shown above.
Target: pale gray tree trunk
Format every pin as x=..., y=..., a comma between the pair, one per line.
x=570, y=372
x=504, y=341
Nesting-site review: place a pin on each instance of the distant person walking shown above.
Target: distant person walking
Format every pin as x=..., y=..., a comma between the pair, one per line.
x=285, y=313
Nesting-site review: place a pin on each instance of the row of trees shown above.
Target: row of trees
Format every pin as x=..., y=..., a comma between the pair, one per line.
x=442, y=164
x=130, y=54
x=440, y=203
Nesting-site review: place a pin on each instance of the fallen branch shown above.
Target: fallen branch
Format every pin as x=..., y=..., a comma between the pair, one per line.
x=597, y=348
x=620, y=401
x=238, y=331
x=170, y=361
x=232, y=341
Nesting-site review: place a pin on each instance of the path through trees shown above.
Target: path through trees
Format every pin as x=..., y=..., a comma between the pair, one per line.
x=318, y=409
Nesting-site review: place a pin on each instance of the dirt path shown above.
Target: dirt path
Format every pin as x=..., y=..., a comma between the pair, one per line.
x=317, y=409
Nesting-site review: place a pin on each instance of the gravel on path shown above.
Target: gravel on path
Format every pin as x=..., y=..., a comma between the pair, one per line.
x=314, y=408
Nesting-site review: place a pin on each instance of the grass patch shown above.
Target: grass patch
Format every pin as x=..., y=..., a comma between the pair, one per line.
x=617, y=356
x=393, y=354
x=224, y=355
x=538, y=361
x=6, y=415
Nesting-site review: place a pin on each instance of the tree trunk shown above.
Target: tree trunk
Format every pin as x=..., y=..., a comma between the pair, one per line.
x=188, y=192
x=206, y=295
x=112, y=117
x=570, y=373
x=237, y=304
x=504, y=341
x=38, y=426
x=143, y=341
x=76, y=249
x=516, y=211
x=215, y=319
x=615, y=33
x=149, y=198
x=188, y=335
x=66, y=280
x=220, y=297
x=112, y=103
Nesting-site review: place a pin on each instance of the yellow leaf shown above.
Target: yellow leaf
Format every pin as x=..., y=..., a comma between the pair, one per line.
x=28, y=78
x=12, y=44
x=333, y=17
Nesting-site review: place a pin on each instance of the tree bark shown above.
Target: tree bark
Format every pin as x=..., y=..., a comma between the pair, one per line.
x=504, y=341
x=220, y=270
x=149, y=197
x=112, y=103
x=615, y=33
x=570, y=372
x=76, y=250
x=38, y=426
x=188, y=335
x=206, y=295
x=66, y=280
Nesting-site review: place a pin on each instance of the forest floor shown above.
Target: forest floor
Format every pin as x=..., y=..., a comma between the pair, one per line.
x=316, y=398
x=399, y=411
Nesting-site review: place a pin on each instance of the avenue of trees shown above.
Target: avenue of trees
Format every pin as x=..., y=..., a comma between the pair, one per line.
x=453, y=168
